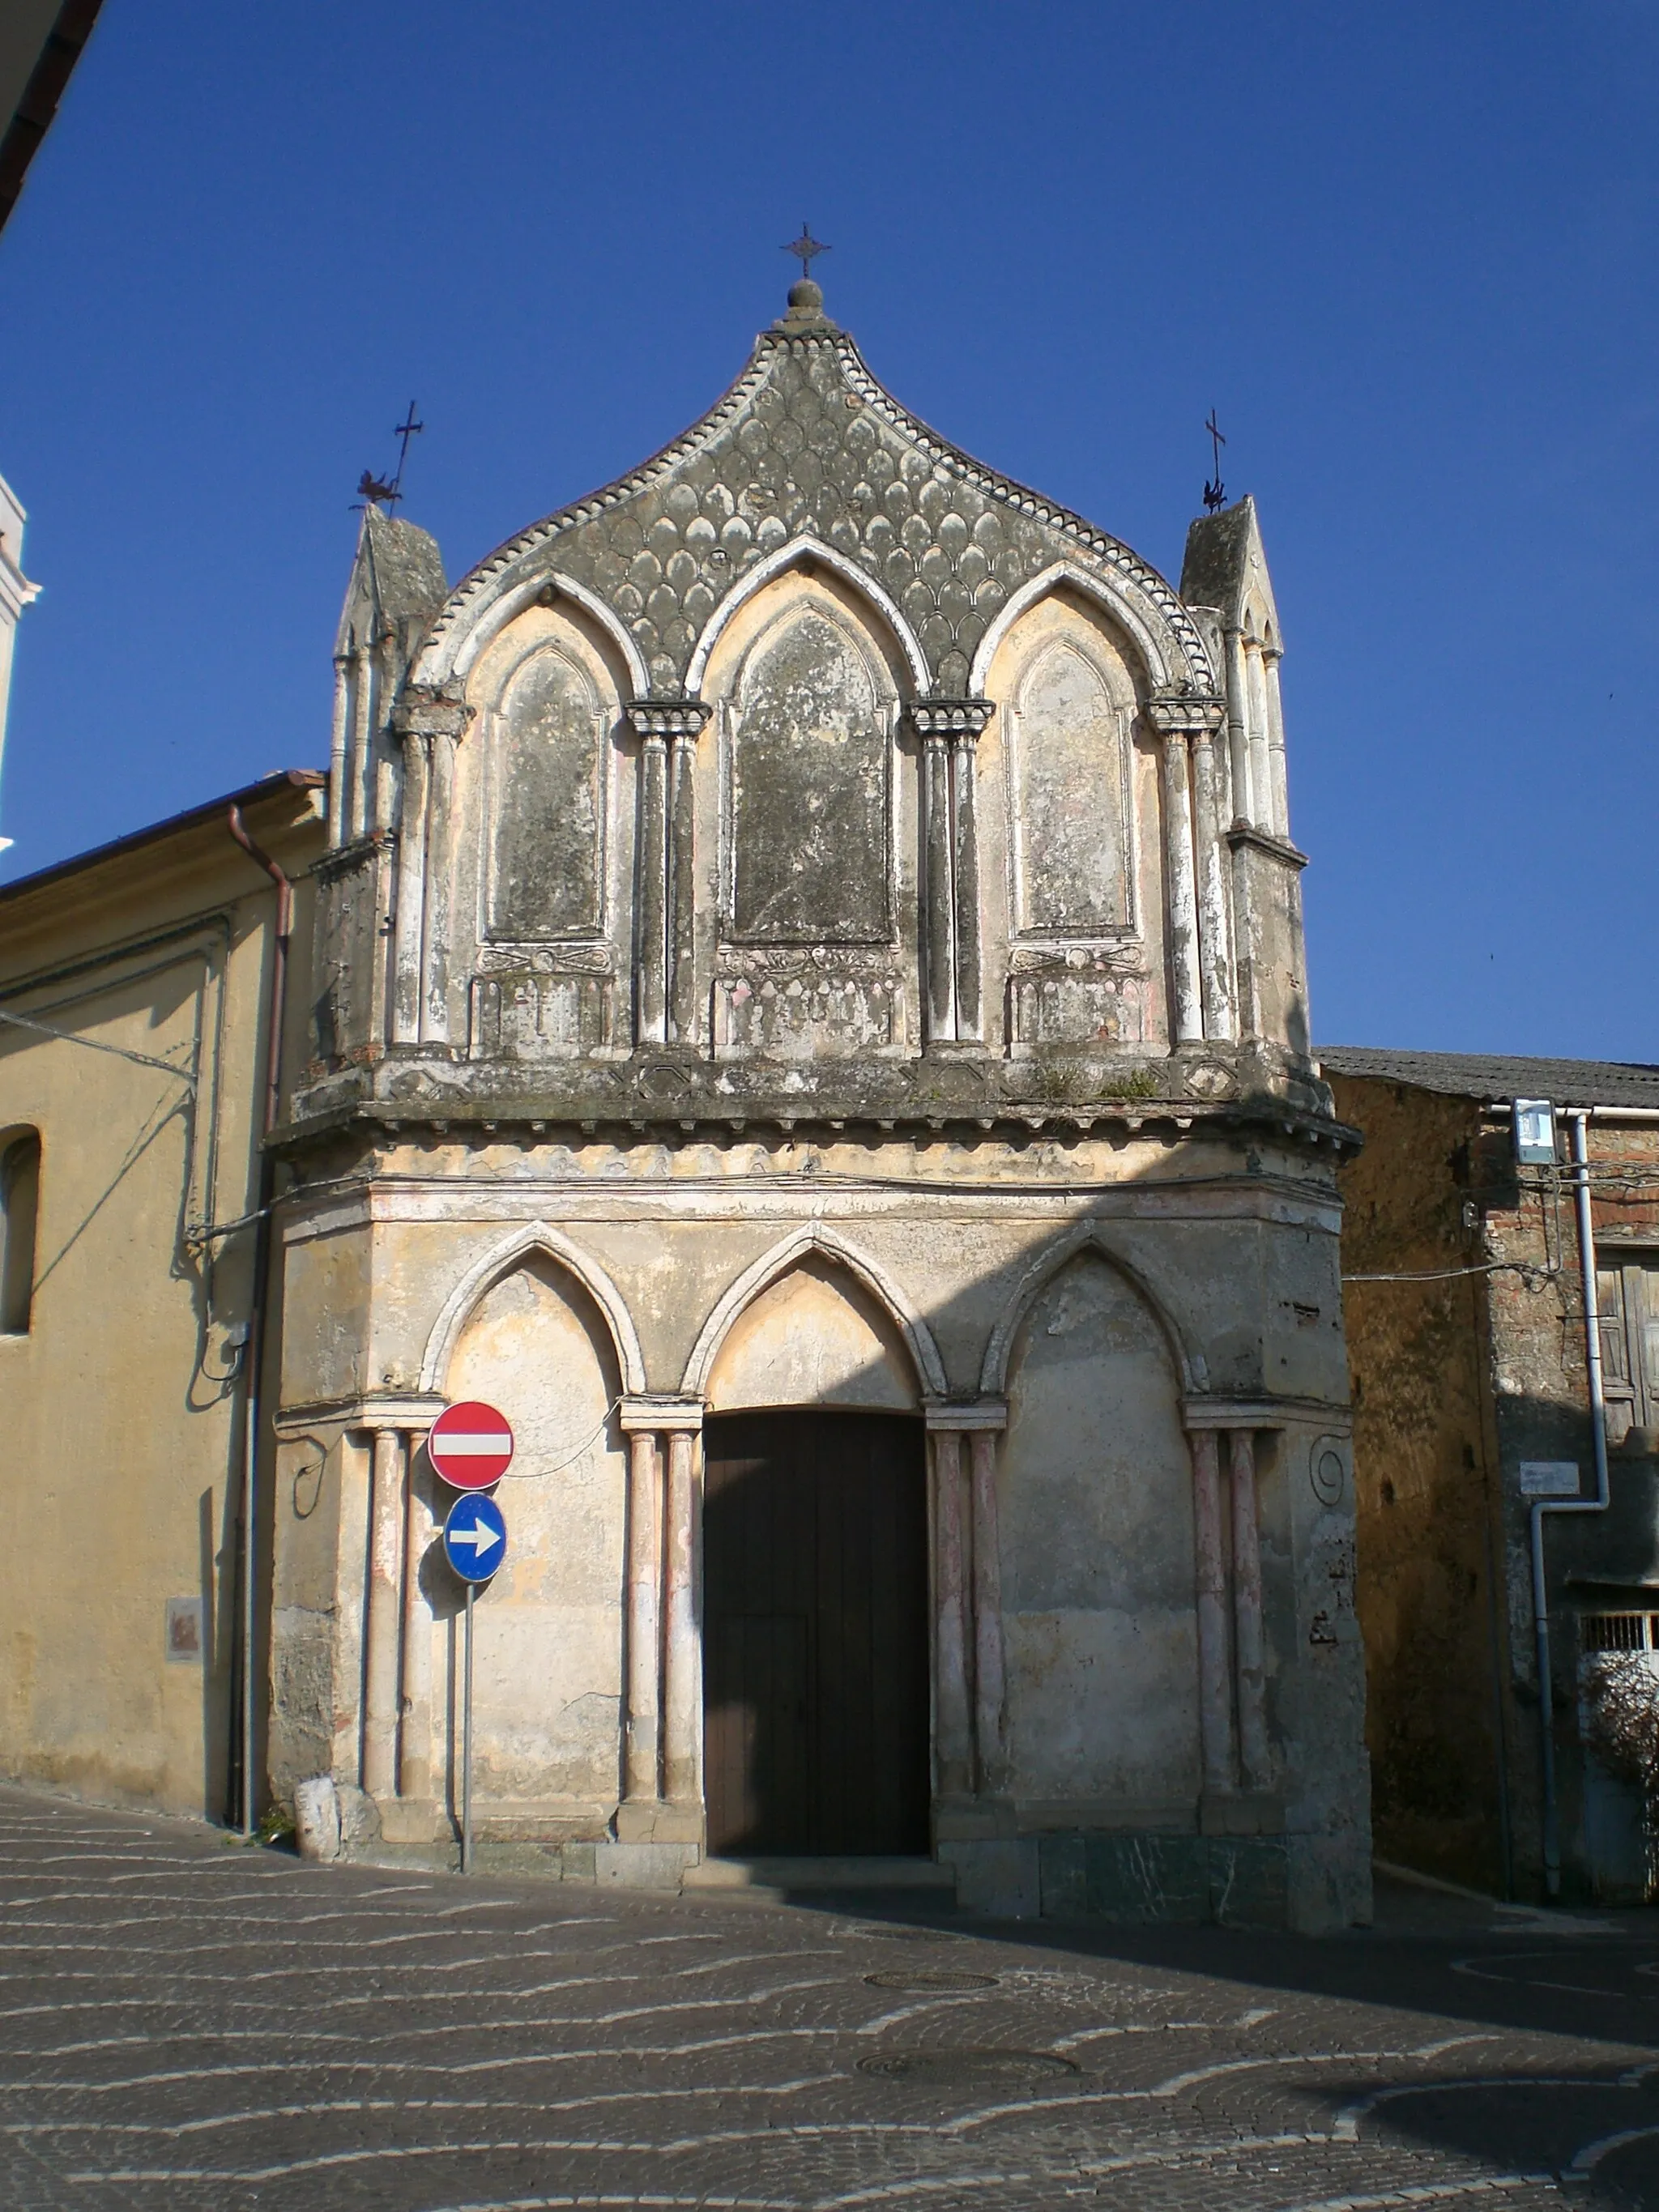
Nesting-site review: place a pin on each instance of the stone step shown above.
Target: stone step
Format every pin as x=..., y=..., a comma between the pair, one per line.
x=782, y=1876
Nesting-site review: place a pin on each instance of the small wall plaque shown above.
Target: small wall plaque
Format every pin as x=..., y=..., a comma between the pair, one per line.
x=185, y=1632
x=1549, y=1478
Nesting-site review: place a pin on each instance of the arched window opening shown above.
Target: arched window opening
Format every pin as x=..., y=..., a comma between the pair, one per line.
x=20, y=1206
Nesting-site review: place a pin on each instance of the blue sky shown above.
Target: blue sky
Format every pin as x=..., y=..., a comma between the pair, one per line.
x=1407, y=251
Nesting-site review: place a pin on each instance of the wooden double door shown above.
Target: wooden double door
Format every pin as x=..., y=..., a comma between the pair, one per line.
x=815, y=1633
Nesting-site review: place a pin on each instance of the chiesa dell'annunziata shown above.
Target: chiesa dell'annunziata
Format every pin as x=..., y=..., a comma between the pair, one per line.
x=809, y=1019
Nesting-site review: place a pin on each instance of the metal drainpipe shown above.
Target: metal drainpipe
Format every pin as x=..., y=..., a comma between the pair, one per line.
x=1579, y=1117
x=253, y=1353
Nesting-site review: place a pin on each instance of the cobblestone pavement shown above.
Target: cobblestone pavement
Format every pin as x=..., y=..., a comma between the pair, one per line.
x=186, y=2023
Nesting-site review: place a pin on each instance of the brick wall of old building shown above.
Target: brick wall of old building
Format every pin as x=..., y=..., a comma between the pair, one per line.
x=1424, y=1480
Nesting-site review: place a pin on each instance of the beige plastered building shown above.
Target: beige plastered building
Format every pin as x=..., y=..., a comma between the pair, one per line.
x=796, y=995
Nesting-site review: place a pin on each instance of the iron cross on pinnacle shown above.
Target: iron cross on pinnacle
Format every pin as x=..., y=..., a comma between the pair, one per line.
x=806, y=249
x=1215, y=492
x=408, y=429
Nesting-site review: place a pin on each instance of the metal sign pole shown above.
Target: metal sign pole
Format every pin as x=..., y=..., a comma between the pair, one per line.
x=466, y=1742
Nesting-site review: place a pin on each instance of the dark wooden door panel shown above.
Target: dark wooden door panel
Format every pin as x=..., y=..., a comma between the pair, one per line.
x=815, y=1585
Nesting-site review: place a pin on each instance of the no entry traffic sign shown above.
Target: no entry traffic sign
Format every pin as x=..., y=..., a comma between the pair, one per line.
x=475, y=1538
x=470, y=1445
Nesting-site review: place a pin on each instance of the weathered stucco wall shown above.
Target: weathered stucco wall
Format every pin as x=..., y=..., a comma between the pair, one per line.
x=1102, y=1641
x=1104, y=1287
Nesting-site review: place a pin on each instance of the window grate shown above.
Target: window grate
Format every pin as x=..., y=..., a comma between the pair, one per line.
x=1619, y=1632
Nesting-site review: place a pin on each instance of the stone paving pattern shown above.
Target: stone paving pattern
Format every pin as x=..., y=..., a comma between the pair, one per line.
x=188, y=2022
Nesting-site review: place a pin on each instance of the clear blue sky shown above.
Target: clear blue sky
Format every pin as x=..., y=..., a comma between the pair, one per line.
x=1408, y=250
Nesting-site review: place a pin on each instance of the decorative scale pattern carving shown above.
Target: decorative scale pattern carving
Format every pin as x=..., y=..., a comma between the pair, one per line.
x=807, y=442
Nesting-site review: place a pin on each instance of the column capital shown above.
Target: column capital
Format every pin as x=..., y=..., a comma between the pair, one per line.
x=648, y=1410
x=389, y=1409
x=950, y=718
x=1196, y=711
x=668, y=718
x=423, y=713
x=966, y=1413
x=1234, y=1414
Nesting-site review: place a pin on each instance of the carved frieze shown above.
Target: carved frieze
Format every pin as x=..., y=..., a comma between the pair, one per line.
x=1075, y=996
x=541, y=1001
x=539, y=1013
x=808, y=1003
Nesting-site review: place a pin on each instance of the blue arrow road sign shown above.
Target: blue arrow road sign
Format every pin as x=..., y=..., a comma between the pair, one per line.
x=475, y=1538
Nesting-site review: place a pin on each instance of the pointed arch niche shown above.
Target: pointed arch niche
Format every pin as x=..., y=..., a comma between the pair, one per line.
x=532, y=1332
x=813, y=820
x=1096, y=1517
x=757, y=1336
x=1076, y=790
x=553, y=824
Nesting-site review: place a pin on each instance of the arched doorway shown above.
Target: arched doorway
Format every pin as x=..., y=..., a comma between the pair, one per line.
x=815, y=1643
x=816, y=1701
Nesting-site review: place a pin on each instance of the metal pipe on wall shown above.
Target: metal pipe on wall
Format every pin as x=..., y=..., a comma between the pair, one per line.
x=254, y=1351
x=1552, y=1816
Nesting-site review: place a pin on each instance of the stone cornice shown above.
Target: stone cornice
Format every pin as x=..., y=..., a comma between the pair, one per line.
x=388, y=1409
x=1199, y=1412
x=1276, y=848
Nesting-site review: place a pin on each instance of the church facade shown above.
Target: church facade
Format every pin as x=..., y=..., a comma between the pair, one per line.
x=808, y=1018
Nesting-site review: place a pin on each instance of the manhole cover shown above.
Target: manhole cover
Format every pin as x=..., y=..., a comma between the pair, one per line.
x=951, y=2069
x=921, y=1981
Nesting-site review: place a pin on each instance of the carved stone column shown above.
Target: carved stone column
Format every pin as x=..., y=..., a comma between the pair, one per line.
x=383, y=1620
x=1214, y=947
x=939, y=891
x=1172, y=719
x=1214, y=1701
x=665, y=981
x=969, y=720
x=1247, y=1613
x=410, y=907
x=1238, y=730
x=682, y=888
x=969, y=1687
x=360, y=771
x=662, y=1729
x=990, y=1688
x=337, y=751
x=953, y=1742
x=950, y=729
x=682, y=1649
x=429, y=726
x=1256, y=698
x=435, y=937
x=651, y=900
x=1279, y=778
x=415, y=1701
x=643, y=1747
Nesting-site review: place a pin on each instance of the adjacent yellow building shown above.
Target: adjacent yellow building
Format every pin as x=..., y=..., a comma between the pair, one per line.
x=134, y=1001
